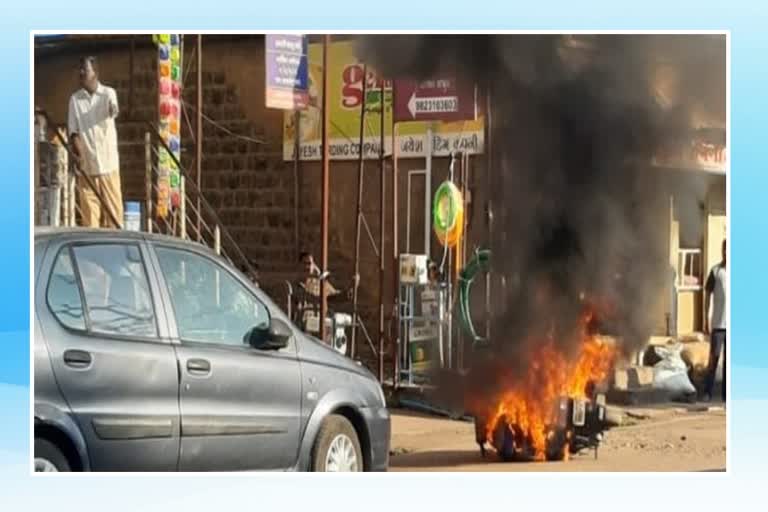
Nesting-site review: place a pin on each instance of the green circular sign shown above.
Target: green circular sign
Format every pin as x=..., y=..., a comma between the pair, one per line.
x=444, y=207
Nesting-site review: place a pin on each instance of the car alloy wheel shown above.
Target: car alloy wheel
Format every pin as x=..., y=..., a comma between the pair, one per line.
x=45, y=466
x=341, y=455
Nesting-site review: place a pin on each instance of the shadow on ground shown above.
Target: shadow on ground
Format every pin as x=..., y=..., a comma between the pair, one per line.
x=448, y=458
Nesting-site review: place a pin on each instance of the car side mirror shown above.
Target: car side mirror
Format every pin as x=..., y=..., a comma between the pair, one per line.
x=273, y=338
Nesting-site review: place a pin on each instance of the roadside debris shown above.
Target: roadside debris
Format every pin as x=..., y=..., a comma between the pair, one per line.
x=671, y=374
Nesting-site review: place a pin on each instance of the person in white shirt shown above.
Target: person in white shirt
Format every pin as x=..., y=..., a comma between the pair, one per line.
x=92, y=113
x=716, y=288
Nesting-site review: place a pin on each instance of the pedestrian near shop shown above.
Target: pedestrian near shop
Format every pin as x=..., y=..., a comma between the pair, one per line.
x=716, y=291
x=91, y=122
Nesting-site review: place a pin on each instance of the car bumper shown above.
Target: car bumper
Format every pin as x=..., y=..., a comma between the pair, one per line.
x=379, y=431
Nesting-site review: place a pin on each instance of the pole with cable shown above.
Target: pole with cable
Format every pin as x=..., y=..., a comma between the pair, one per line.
x=358, y=219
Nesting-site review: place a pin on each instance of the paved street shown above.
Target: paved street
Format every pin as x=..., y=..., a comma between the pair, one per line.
x=673, y=438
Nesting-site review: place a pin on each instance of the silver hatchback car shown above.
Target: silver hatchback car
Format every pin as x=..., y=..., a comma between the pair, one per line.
x=154, y=354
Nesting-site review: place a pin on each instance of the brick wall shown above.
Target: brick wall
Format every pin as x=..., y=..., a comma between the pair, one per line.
x=248, y=183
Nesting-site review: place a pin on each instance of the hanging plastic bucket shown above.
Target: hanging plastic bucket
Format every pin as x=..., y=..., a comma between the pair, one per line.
x=132, y=216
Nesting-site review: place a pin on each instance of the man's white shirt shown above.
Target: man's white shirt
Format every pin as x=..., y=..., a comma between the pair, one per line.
x=717, y=284
x=92, y=117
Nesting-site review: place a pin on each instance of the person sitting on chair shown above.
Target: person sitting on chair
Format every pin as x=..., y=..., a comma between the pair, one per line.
x=308, y=306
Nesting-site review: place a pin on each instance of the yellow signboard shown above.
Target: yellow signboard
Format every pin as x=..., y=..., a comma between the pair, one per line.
x=345, y=81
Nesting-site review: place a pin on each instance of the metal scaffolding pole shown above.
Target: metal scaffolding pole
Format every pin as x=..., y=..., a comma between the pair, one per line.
x=199, y=130
x=148, y=181
x=325, y=190
x=395, y=250
x=489, y=203
x=296, y=163
x=382, y=219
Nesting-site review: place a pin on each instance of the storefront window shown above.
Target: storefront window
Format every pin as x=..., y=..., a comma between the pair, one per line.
x=689, y=269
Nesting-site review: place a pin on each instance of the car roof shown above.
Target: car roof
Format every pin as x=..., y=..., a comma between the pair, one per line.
x=79, y=234
x=87, y=234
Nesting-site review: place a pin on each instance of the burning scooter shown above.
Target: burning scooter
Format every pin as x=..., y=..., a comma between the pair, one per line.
x=577, y=424
x=548, y=408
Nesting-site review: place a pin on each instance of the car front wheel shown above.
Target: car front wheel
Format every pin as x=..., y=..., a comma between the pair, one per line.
x=48, y=458
x=337, y=447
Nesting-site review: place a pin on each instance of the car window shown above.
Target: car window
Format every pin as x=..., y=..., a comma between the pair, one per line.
x=209, y=303
x=64, y=293
x=116, y=289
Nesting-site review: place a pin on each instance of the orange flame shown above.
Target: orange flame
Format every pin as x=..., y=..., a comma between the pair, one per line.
x=530, y=404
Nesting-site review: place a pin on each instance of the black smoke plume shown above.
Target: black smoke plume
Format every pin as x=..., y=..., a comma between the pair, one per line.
x=579, y=213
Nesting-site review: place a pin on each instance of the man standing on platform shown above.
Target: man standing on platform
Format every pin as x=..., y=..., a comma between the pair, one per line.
x=92, y=113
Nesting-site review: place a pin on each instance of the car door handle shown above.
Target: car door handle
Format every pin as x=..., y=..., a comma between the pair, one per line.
x=77, y=358
x=198, y=366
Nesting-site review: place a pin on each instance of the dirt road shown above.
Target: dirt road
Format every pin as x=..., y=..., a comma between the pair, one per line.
x=665, y=439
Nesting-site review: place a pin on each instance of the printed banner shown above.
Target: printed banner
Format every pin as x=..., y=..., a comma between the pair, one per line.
x=286, y=72
x=345, y=81
x=169, y=109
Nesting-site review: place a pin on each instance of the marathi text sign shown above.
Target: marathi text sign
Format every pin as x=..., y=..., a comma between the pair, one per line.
x=287, y=81
x=409, y=146
x=697, y=155
x=441, y=99
x=346, y=88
